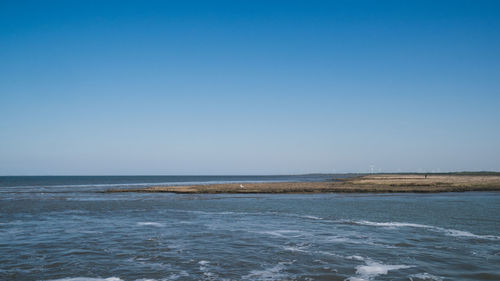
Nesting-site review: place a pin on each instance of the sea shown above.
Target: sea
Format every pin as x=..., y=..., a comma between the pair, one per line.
x=66, y=228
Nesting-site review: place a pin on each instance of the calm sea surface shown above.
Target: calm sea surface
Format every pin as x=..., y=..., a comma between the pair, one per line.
x=62, y=228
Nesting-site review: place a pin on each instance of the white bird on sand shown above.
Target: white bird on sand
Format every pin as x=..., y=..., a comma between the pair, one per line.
x=242, y=186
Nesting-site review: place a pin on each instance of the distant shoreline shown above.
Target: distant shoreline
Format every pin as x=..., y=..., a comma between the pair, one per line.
x=378, y=183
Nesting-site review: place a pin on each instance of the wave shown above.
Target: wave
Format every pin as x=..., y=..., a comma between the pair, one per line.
x=424, y=276
x=343, y=239
x=391, y=224
x=311, y=217
x=446, y=231
x=149, y=223
x=282, y=233
x=460, y=233
x=373, y=269
x=356, y=258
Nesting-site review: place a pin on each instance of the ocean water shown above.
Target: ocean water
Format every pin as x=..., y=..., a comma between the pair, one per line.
x=63, y=228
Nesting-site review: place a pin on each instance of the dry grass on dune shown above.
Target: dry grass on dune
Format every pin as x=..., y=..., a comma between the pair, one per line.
x=430, y=180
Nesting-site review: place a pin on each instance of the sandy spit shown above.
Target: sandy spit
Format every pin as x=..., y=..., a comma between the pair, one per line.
x=379, y=183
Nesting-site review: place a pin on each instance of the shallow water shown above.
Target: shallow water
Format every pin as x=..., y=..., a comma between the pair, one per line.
x=65, y=230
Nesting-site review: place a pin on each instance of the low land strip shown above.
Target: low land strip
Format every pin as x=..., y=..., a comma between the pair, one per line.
x=378, y=183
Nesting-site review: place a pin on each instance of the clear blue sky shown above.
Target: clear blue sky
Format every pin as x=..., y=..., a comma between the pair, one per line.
x=248, y=87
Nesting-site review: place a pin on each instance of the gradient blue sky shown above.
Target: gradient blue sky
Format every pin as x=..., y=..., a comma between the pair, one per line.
x=248, y=87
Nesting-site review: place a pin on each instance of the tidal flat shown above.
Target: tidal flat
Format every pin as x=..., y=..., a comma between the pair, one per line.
x=379, y=183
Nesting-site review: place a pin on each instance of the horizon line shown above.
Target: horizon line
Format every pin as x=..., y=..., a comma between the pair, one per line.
x=242, y=175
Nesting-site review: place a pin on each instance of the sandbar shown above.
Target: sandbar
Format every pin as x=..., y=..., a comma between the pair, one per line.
x=373, y=183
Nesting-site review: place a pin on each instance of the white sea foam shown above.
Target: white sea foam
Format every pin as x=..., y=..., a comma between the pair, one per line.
x=282, y=233
x=424, y=276
x=170, y=277
x=357, y=258
x=203, y=262
x=296, y=248
x=342, y=239
x=311, y=217
x=88, y=279
x=211, y=213
x=391, y=224
x=175, y=276
x=460, y=233
x=446, y=231
x=272, y=273
x=204, y=268
x=356, y=279
x=373, y=269
x=149, y=223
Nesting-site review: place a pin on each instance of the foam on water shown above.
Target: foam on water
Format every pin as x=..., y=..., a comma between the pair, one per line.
x=296, y=248
x=283, y=233
x=204, y=268
x=175, y=276
x=460, y=233
x=342, y=239
x=149, y=223
x=424, y=276
x=311, y=217
x=446, y=231
x=87, y=279
x=354, y=257
x=272, y=273
x=203, y=262
x=373, y=269
x=391, y=224
x=170, y=277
